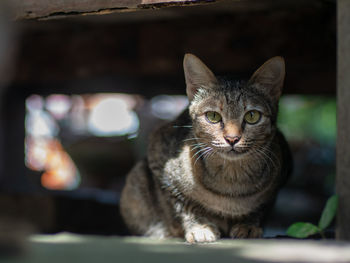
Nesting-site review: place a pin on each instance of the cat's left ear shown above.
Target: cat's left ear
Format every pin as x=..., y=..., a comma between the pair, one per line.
x=269, y=77
x=197, y=75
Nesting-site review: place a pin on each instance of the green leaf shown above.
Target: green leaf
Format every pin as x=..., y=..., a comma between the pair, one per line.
x=329, y=212
x=302, y=230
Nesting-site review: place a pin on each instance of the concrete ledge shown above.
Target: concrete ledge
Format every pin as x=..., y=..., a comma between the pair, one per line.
x=78, y=248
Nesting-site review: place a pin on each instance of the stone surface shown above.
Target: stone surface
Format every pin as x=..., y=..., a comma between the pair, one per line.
x=78, y=248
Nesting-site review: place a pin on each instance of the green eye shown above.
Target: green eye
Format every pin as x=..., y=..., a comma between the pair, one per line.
x=213, y=116
x=252, y=116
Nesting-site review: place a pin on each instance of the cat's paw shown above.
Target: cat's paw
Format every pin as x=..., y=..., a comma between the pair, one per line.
x=246, y=231
x=202, y=234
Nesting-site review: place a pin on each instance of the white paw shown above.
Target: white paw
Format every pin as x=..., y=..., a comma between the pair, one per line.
x=201, y=234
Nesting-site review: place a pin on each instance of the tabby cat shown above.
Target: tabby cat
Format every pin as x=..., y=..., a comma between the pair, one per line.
x=214, y=171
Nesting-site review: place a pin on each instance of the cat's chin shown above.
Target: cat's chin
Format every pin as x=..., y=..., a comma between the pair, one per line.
x=232, y=155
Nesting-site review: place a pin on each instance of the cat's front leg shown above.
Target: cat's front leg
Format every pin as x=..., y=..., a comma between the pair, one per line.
x=199, y=230
x=245, y=230
x=248, y=226
x=202, y=233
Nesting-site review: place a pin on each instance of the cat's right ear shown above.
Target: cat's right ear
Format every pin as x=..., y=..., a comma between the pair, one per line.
x=197, y=75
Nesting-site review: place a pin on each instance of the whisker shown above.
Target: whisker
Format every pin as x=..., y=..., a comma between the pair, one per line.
x=201, y=150
x=197, y=143
x=197, y=146
x=211, y=153
x=270, y=152
x=208, y=150
x=262, y=158
x=267, y=157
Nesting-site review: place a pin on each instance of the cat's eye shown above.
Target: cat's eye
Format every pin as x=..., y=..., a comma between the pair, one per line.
x=213, y=116
x=252, y=116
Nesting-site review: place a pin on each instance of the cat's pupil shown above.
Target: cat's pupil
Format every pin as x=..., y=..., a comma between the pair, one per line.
x=213, y=117
x=252, y=117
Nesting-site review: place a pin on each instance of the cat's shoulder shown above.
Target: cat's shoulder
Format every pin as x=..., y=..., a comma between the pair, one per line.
x=170, y=136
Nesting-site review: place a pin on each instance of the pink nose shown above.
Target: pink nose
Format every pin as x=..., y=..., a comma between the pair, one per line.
x=232, y=140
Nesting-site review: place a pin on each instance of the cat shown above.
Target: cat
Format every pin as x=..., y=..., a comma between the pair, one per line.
x=215, y=170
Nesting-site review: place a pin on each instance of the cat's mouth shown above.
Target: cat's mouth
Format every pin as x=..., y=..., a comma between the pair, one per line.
x=234, y=153
x=238, y=150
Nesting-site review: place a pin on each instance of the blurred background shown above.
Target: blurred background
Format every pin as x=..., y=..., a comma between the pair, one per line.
x=80, y=95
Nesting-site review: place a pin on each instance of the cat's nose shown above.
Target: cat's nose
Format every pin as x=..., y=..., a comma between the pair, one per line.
x=232, y=140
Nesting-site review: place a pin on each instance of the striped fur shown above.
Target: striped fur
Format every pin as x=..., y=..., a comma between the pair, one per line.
x=193, y=183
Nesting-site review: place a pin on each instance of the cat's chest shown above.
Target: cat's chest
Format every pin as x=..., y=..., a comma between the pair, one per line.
x=219, y=194
x=240, y=178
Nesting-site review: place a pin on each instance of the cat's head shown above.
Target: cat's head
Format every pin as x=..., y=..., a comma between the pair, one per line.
x=234, y=117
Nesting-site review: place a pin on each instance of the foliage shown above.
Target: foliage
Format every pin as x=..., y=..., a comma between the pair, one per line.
x=304, y=229
x=308, y=117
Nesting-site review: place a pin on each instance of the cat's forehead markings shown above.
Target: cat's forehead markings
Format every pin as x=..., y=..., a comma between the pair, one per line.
x=210, y=105
x=221, y=106
x=241, y=100
x=230, y=97
x=239, y=97
x=258, y=102
x=236, y=100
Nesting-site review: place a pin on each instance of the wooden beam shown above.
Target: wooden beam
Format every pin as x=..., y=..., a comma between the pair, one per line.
x=53, y=9
x=46, y=9
x=343, y=121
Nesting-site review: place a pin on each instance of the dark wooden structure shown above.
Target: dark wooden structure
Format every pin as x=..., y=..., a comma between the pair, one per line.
x=148, y=45
x=343, y=120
